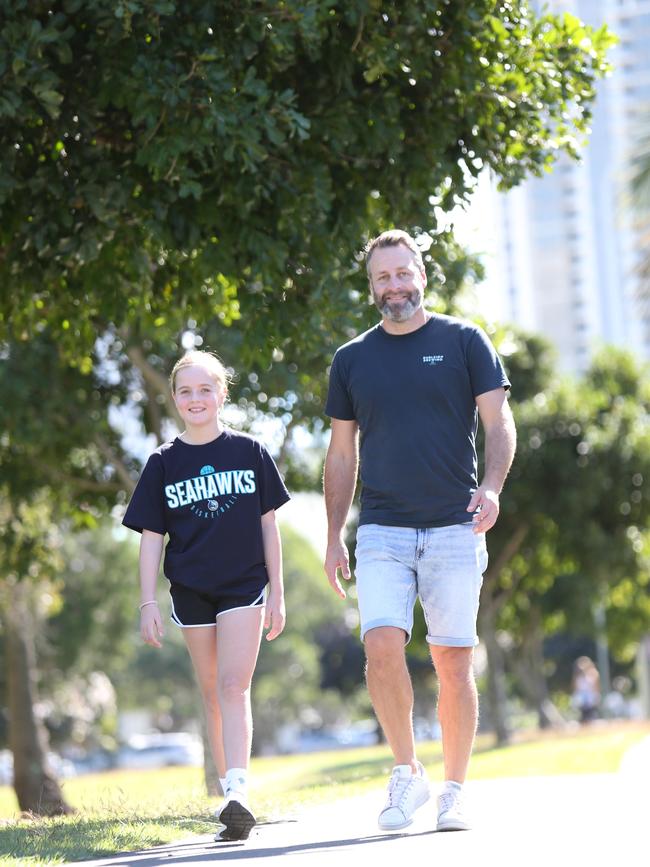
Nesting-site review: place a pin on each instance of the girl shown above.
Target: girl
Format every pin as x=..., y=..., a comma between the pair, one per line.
x=214, y=492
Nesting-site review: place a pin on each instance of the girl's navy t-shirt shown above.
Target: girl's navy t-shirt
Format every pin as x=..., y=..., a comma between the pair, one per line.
x=209, y=499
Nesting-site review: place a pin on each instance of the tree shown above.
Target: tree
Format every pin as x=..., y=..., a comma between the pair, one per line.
x=54, y=478
x=616, y=448
x=96, y=613
x=29, y=544
x=164, y=168
x=166, y=161
x=570, y=533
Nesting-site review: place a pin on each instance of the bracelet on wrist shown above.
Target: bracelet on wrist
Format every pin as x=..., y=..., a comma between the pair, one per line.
x=150, y=602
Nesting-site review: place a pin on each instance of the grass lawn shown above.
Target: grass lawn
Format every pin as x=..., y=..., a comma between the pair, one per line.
x=128, y=810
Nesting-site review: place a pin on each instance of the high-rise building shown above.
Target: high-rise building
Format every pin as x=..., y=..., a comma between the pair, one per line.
x=567, y=246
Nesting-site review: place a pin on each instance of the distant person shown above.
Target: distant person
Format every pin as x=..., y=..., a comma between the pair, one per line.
x=586, y=689
x=409, y=393
x=214, y=492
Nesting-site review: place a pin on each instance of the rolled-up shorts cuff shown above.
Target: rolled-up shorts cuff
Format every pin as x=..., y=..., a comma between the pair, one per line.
x=446, y=641
x=387, y=621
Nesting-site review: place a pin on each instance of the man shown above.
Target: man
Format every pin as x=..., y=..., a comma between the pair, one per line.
x=412, y=389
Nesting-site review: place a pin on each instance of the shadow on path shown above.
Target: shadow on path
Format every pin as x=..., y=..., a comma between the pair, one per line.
x=202, y=851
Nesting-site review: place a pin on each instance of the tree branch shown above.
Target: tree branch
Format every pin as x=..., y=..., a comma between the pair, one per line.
x=286, y=442
x=153, y=410
x=116, y=462
x=357, y=38
x=505, y=555
x=155, y=379
x=153, y=132
x=84, y=484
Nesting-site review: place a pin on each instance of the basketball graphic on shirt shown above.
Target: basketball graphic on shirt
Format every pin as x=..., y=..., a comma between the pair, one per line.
x=213, y=505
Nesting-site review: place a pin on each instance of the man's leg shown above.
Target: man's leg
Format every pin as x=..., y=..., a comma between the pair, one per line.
x=458, y=714
x=386, y=591
x=457, y=707
x=451, y=563
x=391, y=692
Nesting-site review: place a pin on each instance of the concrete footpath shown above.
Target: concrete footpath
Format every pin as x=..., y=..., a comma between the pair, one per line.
x=600, y=819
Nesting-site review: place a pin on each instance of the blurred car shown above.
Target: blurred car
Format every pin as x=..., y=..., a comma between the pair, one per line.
x=61, y=768
x=6, y=768
x=313, y=742
x=93, y=761
x=361, y=733
x=160, y=750
x=426, y=730
x=357, y=734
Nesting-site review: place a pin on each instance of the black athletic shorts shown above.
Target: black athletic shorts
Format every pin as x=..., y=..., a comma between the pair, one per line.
x=195, y=608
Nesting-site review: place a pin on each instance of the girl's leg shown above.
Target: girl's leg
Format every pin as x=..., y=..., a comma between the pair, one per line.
x=201, y=642
x=238, y=642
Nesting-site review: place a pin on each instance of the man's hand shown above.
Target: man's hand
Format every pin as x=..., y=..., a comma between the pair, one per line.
x=485, y=505
x=337, y=557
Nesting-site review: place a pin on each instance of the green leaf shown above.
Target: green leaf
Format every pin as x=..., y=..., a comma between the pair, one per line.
x=51, y=100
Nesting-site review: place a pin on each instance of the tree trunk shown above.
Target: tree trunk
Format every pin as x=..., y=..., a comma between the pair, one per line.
x=493, y=597
x=532, y=678
x=535, y=656
x=37, y=790
x=496, y=679
x=643, y=674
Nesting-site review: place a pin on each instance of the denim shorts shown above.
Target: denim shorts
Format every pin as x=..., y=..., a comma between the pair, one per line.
x=442, y=566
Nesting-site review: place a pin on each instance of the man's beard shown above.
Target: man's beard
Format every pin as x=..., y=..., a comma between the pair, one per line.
x=399, y=311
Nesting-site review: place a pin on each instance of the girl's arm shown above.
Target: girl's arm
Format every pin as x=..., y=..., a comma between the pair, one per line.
x=275, y=616
x=151, y=548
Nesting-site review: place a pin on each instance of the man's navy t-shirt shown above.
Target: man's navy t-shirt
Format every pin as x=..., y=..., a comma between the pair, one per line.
x=413, y=397
x=210, y=499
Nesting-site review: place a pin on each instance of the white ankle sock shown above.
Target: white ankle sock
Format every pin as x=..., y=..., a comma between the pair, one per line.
x=237, y=778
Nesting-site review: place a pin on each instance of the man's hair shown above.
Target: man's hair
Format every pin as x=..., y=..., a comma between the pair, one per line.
x=209, y=360
x=393, y=238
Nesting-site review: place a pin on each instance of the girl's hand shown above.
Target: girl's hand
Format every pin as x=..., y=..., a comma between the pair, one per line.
x=275, y=615
x=151, y=627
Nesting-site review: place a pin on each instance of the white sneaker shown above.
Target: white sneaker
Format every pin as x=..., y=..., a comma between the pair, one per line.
x=235, y=814
x=451, y=815
x=406, y=792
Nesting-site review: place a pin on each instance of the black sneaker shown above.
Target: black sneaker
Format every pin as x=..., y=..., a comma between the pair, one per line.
x=237, y=818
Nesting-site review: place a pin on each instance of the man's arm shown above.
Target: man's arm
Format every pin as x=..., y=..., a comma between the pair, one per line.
x=500, y=444
x=339, y=481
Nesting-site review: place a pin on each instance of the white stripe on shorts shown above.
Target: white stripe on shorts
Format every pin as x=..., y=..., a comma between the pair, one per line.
x=259, y=603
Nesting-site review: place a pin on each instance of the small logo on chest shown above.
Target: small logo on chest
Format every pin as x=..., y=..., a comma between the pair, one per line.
x=432, y=359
